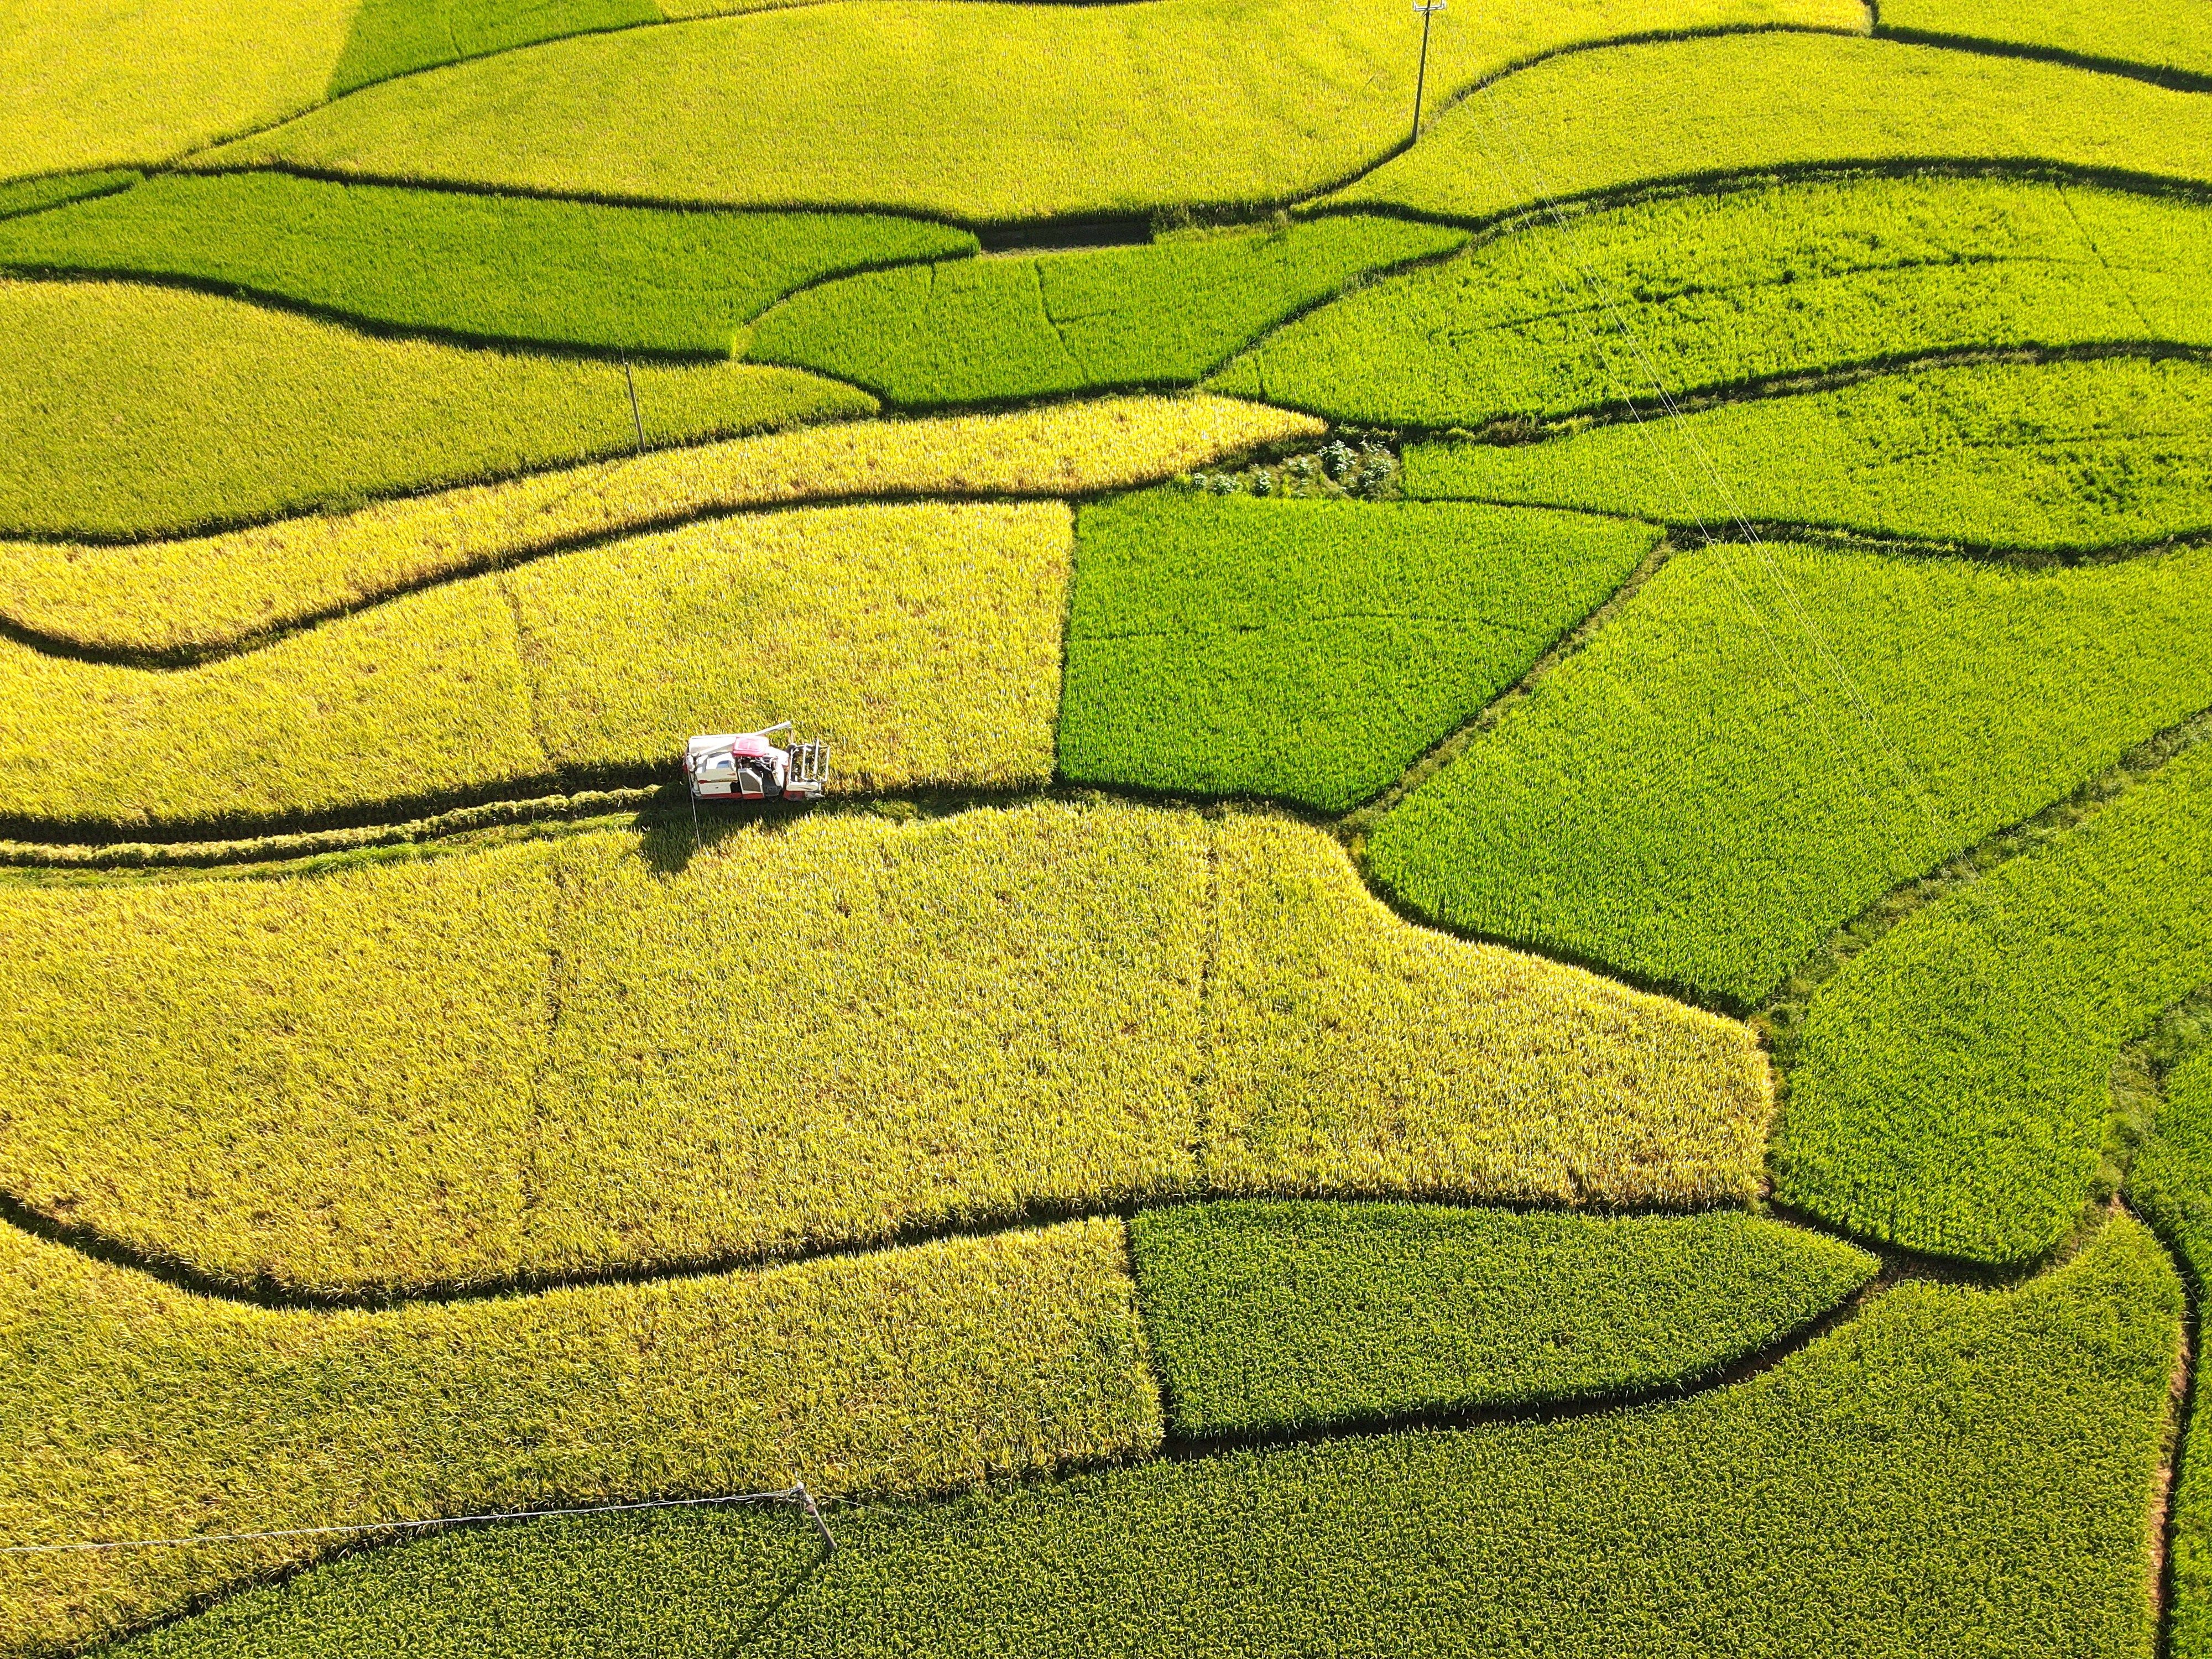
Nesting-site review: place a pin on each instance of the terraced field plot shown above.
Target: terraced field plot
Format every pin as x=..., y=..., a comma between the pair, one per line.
x=1508, y=917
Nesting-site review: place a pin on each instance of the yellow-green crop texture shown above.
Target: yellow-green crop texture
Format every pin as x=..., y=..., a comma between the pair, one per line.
x=1705, y=291
x=921, y=641
x=2171, y=39
x=398, y=37
x=893, y=104
x=92, y=86
x=1309, y=650
x=128, y=411
x=2171, y=1183
x=2049, y=457
x=1956, y=1472
x=1952, y=1091
x=1764, y=741
x=135, y=1409
x=1162, y=314
x=1273, y=1315
x=489, y=1066
x=1587, y=123
x=181, y=599
x=476, y=268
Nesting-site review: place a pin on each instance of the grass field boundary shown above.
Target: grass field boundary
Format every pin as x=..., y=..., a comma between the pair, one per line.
x=76, y=650
x=1798, y=383
x=1352, y=826
x=2172, y=80
x=1712, y=181
x=1221, y=210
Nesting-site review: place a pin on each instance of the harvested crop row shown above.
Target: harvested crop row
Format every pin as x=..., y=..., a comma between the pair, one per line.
x=485, y=268
x=163, y=599
x=2172, y=1184
x=1272, y=1316
x=1954, y=1082
x=673, y=1056
x=922, y=642
x=1309, y=650
x=1163, y=314
x=1957, y=1472
x=1724, y=105
x=1766, y=741
x=909, y=106
x=1695, y=293
x=139, y=1410
x=128, y=411
x=2052, y=457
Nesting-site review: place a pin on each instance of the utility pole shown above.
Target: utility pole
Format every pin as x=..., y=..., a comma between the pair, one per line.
x=1421, y=81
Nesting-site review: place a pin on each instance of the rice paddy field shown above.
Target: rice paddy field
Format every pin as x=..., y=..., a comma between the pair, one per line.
x=1505, y=946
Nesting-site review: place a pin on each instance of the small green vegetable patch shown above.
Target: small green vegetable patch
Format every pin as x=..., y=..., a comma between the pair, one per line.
x=1158, y=315
x=1766, y=739
x=489, y=268
x=1309, y=650
x=2048, y=457
x=2172, y=1184
x=1709, y=290
x=1954, y=1081
x=1956, y=1472
x=1267, y=1316
x=395, y=37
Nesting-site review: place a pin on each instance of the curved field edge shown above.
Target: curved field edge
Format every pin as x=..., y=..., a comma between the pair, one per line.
x=1995, y=1451
x=921, y=640
x=1225, y=1009
x=178, y=602
x=1952, y=1089
x=1222, y=139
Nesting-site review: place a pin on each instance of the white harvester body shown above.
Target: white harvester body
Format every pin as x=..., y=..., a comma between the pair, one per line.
x=748, y=766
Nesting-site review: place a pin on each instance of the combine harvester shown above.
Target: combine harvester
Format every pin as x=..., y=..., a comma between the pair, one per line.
x=747, y=766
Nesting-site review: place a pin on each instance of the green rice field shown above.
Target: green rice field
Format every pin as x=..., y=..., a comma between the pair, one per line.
x=882, y=828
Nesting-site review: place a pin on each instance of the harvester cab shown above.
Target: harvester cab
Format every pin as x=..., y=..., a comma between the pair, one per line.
x=750, y=766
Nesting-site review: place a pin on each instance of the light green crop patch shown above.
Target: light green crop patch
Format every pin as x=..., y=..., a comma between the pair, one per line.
x=482, y=268
x=921, y=641
x=1275, y=1316
x=1158, y=315
x=1955, y=1077
x=1711, y=290
x=674, y=1056
x=1981, y=1465
x=2171, y=1184
x=140, y=1411
x=1766, y=741
x=128, y=411
x=1309, y=650
x=2049, y=457
x=1747, y=104
x=396, y=37
x=909, y=106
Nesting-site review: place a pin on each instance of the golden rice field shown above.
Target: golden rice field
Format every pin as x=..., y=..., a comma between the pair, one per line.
x=1312, y=1194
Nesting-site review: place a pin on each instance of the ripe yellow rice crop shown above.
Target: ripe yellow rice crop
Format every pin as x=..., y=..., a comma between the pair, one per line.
x=140, y=1411
x=212, y=592
x=611, y=1050
x=909, y=106
x=91, y=85
x=922, y=641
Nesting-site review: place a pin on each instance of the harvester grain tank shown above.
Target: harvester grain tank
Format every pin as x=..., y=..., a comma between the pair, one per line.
x=750, y=766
